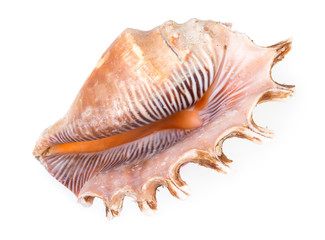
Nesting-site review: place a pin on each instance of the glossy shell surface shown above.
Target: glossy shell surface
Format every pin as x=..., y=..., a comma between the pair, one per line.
x=158, y=99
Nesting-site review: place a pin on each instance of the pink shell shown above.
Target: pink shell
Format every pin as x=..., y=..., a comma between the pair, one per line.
x=200, y=68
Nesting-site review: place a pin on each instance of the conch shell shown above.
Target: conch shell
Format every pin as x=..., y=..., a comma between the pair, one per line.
x=156, y=100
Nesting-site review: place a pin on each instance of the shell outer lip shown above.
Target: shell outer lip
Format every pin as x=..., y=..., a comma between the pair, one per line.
x=214, y=159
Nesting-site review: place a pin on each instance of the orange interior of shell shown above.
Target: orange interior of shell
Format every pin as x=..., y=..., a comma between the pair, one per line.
x=187, y=119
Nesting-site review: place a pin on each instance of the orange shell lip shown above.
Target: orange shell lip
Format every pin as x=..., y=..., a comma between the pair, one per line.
x=156, y=101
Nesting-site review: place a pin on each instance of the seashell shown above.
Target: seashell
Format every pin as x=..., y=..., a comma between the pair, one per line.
x=156, y=100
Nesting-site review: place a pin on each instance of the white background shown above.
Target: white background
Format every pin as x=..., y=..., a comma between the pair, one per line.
x=274, y=190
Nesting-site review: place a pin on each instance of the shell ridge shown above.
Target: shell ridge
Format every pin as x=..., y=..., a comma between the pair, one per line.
x=151, y=103
x=137, y=113
x=193, y=82
x=197, y=78
x=203, y=72
x=143, y=108
x=209, y=64
x=185, y=88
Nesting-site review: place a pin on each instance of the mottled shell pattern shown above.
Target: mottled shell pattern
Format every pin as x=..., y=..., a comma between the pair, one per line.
x=156, y=100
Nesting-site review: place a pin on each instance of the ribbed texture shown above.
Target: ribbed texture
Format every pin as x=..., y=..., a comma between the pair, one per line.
x=145, y=103
x=73, y=170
